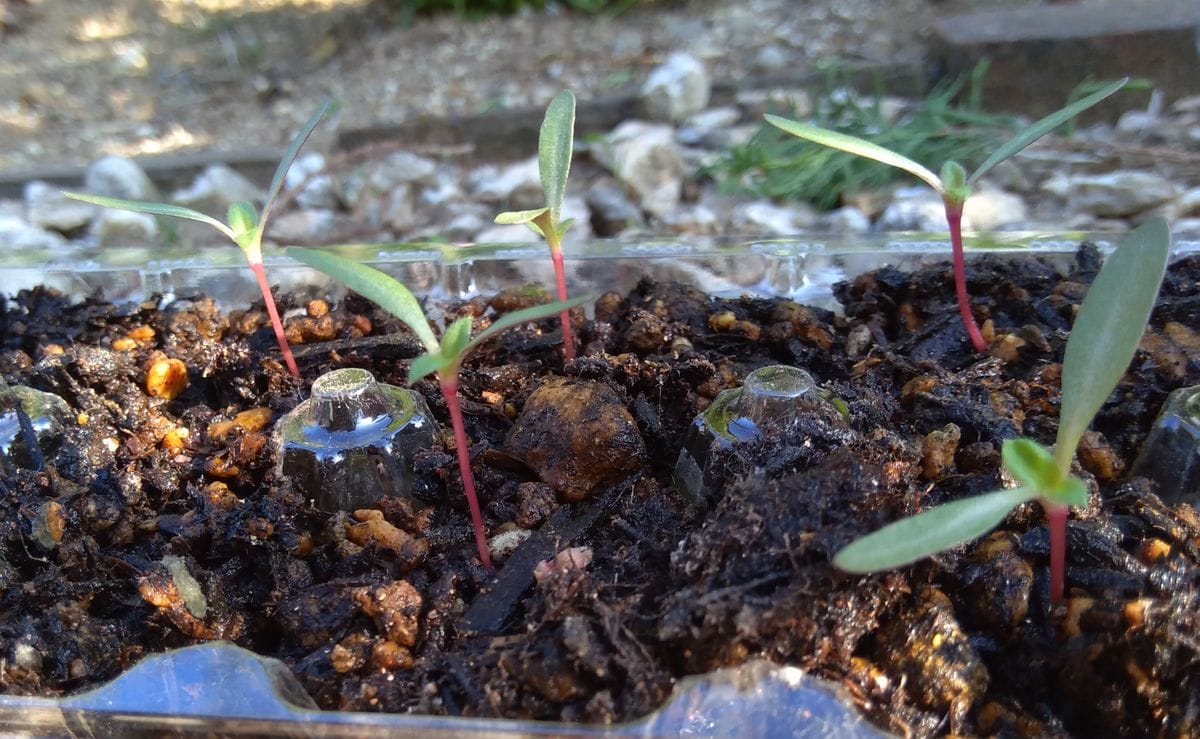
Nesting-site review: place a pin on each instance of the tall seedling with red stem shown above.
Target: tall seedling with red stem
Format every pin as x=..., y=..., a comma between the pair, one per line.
x=555, y=140
x=1103, y=340
x=443, y=358
x=245, y=227
x=954, y=185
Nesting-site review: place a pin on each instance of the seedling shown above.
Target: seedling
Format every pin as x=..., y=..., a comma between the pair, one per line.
x=1103, y=340
x=555, y=140
x=954, y=185
x=245, y=227
x=442, y=358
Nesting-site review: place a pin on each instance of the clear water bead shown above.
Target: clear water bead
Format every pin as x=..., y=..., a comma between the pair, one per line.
x=769, y=397
x=353, y=441
x=48, y=415
x=1171, y=453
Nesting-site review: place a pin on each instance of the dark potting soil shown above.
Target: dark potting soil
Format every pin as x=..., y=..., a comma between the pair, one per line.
x=389, y=610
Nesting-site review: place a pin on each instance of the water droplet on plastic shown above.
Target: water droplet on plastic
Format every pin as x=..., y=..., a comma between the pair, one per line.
x=769, y=398
x=1171, y=453
x=48, y=415
x=352, y=442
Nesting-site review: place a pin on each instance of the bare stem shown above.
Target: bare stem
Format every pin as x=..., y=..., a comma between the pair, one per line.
x=276, y=324
x=1057, y=516
x=560, y=279
x=954, y=220
x=450, y=392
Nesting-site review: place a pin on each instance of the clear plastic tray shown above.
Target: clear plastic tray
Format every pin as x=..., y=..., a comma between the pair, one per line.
x=222, y=689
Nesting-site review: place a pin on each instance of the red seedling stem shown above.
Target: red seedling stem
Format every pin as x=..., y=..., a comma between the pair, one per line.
x=954, y=220
x=269, y=300
x=450, y=392
x=1057, y=516
x=560, y=279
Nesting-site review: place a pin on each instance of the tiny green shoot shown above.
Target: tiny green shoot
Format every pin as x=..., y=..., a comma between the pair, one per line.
x=443, y=358
x=954, y=185
x=1103, y=340
x=555, y=141
x=245, y=226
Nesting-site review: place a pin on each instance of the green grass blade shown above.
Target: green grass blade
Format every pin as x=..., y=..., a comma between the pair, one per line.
x=1107, y=330
x=858, y=147
x=555, y=140
x=154, y=209
x=1042, y=127
x=384, y=290
x=533, y=313
x=289, y=156
x=930, y=532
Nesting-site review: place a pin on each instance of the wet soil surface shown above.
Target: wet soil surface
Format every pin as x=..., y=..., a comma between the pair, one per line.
x=638, y=584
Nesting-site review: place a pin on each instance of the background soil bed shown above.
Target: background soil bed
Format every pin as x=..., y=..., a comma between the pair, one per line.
x=962, y=643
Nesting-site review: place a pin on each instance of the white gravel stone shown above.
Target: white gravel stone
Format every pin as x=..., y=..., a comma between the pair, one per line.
x=845, y=220
x=913, y=209
x=1188, y=204
x=47, y=207
x=515, y=187
x=1119, y=194
x=611, y=210
x=676, y=89
x=319, y=192
x=216, y=189
x=508, y=234
x=697, y=219
x=762, y=217
x=17, y=236
x=301, y=226
x=772, y=58
x=988, y=210
x=645, y=157
x=114, y=227
x=119, y=177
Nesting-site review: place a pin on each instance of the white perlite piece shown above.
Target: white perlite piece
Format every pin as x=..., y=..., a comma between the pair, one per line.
x=189, y=589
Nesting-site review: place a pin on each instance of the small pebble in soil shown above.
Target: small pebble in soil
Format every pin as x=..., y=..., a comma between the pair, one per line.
x=576, y=435
x=166, y=378
x=937, y=451
x=395, y=608
x=374, y=529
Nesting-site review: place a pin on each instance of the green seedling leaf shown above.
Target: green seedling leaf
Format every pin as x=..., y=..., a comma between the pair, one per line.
x=555, y=141
x=562, y=227
x=1070, y=491
x=954, y=179
x=384, y=290
x=455, y=338
x=511, y=217
x=533, y=313
x=1042, y=127
x=426, y=364
x=1107, y=330
x=154, y=209
x=289, y=156
x=930, y=532
x=243, y=221
x=1030, y=463
x=858, y=147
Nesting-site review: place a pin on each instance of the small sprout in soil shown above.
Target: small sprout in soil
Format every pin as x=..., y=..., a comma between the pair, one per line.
x=245, y=228
x=954, y=184
x=442, y=358
x=1103, y=340
x=555, y=141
